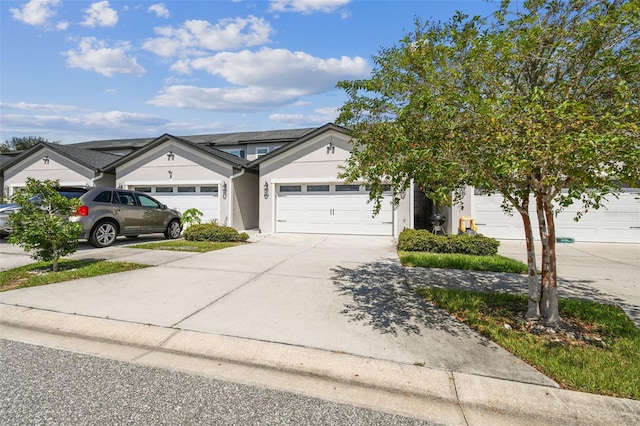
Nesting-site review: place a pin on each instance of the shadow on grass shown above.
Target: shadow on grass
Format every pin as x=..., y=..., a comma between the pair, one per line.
x=512, y=284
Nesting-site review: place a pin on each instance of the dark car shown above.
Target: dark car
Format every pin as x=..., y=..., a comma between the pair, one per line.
x=5, y=226
x=108, y=212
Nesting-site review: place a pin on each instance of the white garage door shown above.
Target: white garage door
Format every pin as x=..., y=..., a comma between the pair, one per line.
x=331, y=209
x=618, y=221
x=184, y=197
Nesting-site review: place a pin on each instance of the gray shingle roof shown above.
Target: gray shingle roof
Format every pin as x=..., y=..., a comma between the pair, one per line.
x=237, y=138
x=113, y=144
x=219, y=139
x=95, y=160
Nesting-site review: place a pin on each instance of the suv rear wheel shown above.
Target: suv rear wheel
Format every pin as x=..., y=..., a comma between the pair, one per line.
x=103, y=234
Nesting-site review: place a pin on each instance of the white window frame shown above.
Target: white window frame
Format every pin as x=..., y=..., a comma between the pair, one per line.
x=261, y=148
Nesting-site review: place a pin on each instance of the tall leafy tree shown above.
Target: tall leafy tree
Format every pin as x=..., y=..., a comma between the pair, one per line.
x=22, y=143
x=538, y=101
x=41, y=225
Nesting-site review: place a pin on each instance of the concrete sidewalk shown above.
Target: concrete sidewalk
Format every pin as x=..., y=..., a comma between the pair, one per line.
x=333, y=307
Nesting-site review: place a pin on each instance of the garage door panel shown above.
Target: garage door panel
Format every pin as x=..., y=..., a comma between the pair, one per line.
x=207, y=204
x=618, y=220
x=335, y=213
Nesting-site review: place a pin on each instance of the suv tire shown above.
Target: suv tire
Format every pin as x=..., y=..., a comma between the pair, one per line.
x=173, y=230
x=103, y=234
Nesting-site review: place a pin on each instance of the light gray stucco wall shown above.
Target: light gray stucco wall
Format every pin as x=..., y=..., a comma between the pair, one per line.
x=245, y=201
x=57, y=167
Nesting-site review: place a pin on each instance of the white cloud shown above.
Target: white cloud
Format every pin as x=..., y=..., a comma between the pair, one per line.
x=222, y=99
x=99, y=14
x=159, y=9
x=35, y=12
x=278, y=69
x=62, y=25
x=194, y=37
x=260, y=80
x=95, y=55
x=83, y=127
x=37, y=107
x=306, y=7
x=318, y=117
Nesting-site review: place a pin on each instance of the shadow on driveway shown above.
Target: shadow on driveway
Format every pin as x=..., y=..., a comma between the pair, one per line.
x=381, y=298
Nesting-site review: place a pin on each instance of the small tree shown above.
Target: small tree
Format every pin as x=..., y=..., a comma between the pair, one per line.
x=41, y=225
x=541, y=102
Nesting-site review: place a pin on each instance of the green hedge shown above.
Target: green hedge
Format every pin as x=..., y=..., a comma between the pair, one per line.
x=423, y=240
x=212, y=232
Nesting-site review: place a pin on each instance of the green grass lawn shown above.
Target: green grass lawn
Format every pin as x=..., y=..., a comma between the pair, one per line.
x=495, y=263
x=184, y=245
x=40, y=273
x=596, y=349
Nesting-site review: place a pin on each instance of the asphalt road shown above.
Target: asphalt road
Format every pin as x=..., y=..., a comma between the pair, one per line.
x=40, y=385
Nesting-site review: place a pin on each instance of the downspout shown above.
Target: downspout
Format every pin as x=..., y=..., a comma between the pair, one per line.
x=230, y=194
x=93, y=179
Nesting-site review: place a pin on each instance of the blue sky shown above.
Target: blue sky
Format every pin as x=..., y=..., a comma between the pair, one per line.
x=75, y=71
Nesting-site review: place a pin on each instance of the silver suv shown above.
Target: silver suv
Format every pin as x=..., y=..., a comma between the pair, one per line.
x=108, y=212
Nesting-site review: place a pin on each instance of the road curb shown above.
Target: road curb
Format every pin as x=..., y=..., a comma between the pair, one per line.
x=478, y=399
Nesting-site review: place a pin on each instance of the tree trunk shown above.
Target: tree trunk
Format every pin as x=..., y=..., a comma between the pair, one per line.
x=533, y=309
x=54, y=262
x=549, y=301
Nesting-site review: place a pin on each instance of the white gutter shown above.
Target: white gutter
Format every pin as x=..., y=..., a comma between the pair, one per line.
x=229, y=194
x=93, y=179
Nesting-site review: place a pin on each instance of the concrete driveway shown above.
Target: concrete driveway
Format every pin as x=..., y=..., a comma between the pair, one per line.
x=343, y=294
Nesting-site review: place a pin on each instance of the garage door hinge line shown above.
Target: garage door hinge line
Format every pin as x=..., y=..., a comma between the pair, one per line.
x=248, y=282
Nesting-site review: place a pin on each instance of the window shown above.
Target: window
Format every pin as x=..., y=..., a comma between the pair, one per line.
x=290, y=188
x=164, y=189
x=186, y=189
x=237, y=152
x=126, y=198
x=317, y=188
x=103, y=197
x=142, y=188
x=347, y=188
x=209, y=189
x=262, y=151
x=147, y=201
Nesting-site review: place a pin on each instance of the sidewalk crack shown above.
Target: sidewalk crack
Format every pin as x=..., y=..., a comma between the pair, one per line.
x=458, y=403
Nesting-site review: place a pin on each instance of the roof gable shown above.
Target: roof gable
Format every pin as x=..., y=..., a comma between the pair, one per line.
x=213, y=152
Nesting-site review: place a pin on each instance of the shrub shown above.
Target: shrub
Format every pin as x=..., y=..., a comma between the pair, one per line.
x=423, y=240
x=190, y=217
x=211, y=232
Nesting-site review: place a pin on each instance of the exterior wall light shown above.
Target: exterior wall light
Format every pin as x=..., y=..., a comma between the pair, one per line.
x=224, y=190
x=266, y=190
x=45, y=159
x=170, y=155
x=331, y=148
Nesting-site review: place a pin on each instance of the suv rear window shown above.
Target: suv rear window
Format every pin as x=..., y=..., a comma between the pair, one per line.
x=71, y=192
x=103, y=197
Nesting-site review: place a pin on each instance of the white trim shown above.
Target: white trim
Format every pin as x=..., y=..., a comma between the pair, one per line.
x=171, y=182
x=273, y=195
x=413, y=206
x=307, y=180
